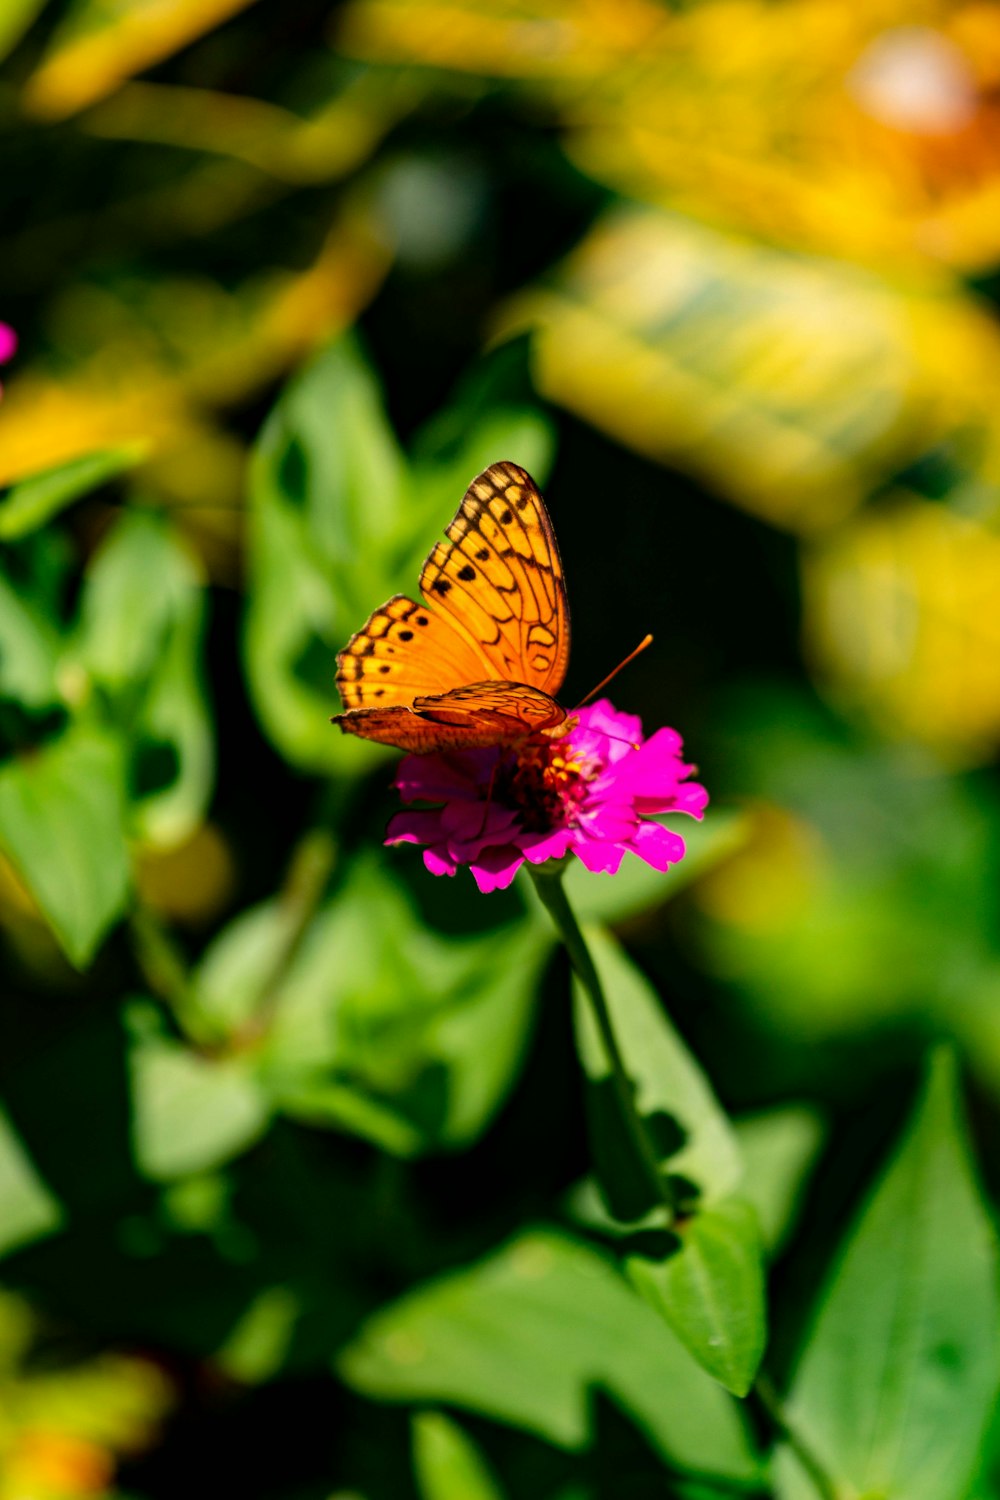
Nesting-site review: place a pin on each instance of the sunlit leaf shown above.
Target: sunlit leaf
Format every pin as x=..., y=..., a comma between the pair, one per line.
x=779, y=1148
x=139, y=582
x=329, y=513
x=704, y=1275
x=15, y=18
x=899, y=1374
x=28, y=1210
x=448, y=1464
x=29, y=651
x=98, y=46
x=34, y=502
x=710, y=1289
x=189, y=1113
x=525, y=1336
x=407, y=1038
x=792, y=387
x=62, y=824
x=668, y=1082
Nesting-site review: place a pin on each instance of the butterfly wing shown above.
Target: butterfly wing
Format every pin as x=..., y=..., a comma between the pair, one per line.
x=474, y=715
x=480, y=661
x=499, y=579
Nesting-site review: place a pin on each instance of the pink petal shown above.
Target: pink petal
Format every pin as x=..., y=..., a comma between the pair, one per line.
x=420, y=827
x=8, y=343
x=599, y=858
x=609, y=821
x=438, y=862
x=495, y=868
x=690, y=797
x=658, y=846
x=538, y=847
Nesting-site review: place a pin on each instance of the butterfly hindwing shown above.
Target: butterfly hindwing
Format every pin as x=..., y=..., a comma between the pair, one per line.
x=404, y=649
x=475, y=715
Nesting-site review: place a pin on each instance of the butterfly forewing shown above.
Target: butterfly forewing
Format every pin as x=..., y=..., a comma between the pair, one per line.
x=499, y=579
x=480, y=662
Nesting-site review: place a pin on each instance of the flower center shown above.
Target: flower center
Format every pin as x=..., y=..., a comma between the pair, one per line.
x=546, y=783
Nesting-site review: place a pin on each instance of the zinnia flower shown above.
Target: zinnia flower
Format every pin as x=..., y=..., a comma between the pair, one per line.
x=590, y=793
x=8, y=345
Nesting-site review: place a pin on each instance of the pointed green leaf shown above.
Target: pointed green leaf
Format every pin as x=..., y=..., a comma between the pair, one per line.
x=707, y=1280
x=189, y=1113
x=62, y=825
x=448, y=1464
x=899, y=1375
x=136, y=586
x=329, y=516
x=668, y=1082
x=28, y=1209
x=35, y=501
x=29, y=651
x=411, y=1041
x=779, y=1149
x=528, y=1334
x=711, y=1290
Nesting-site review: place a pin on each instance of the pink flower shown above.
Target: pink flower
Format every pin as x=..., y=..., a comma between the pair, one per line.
x=8, y=345
x=590, y=793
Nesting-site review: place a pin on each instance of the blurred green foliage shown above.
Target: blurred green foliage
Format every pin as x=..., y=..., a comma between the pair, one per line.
x=312, y=1181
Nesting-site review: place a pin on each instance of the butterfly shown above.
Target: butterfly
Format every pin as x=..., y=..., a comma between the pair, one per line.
x=480, y=661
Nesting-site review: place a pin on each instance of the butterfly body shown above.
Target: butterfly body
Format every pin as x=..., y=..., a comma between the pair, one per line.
x=480, y=661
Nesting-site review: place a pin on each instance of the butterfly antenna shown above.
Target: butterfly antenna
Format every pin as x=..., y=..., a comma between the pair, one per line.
x=647, y=640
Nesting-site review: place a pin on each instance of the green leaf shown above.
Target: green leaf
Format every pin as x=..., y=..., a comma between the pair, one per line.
x=710, y=1289
x=62, y=825
x=707, y=1278
x=189, y=1113
x=899, y=1374
x=779, y=1149
x=15, y=18
x=407, y=1038
x=329, y=521
x=139, y=582
x=668, y=1082
x=528, y=1334
x=448, y=1464
x=28, y=1210
x=256, y=1348
x=35, y=501
x=29, y=651
x=637, y=887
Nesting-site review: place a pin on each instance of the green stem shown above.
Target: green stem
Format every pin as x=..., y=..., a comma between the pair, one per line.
x=553, y=897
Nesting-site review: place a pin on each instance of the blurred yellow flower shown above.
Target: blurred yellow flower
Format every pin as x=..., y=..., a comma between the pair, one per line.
x=902, y=623
x=869, y=130
x=63, y=1431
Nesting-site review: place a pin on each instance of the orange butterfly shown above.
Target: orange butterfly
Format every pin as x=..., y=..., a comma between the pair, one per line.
x=479, y=663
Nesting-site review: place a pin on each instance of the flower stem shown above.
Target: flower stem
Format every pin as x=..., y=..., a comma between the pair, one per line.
x=553, y=897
